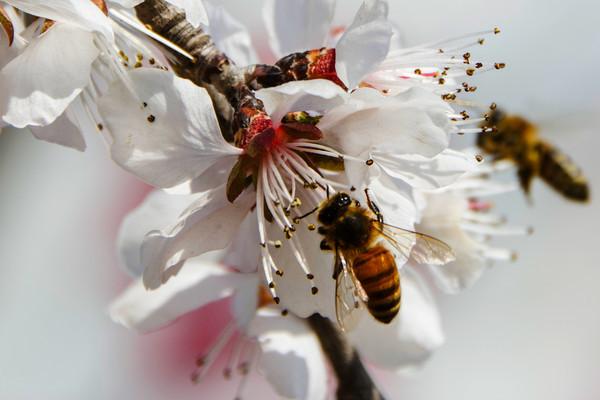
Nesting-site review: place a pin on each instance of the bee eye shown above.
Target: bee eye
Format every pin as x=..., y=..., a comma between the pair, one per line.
x=343, y=200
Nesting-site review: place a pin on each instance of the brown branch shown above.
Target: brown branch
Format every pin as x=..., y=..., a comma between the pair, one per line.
x=354, y=383
x=211, y=68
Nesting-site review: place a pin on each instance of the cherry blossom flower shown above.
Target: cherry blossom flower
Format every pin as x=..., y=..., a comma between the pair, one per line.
x=367, y=52
x=461, y=215
x=52, y=88
x=404, y=344
x=173, y=140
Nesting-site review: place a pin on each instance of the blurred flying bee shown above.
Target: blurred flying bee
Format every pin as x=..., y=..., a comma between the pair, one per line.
x=516, y=139
x=365, y=269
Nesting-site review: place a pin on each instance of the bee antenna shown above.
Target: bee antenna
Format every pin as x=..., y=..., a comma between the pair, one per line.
x=327, y=190
x=307, y=214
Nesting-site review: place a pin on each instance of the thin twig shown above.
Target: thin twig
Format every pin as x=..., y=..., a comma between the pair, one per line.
x=354, y=383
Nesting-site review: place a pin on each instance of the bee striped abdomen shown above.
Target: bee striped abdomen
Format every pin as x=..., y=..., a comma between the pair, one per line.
x=561, y=173
x=378, y=275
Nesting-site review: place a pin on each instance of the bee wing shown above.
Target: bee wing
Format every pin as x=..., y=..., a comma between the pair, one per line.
x=348, y=294
x=424, y=249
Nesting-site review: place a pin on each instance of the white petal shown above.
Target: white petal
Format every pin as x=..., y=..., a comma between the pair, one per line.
x=291, y=356
x=127, y=3
x=244, y=252
x=314, y=95
x=201, y=282
x=44, y=79
x=214, y=176
x=427, y=173
x=158, y=210
x=410, y=338
x=194, y=11
x=410, y=123
x=441, y=218
x=230, y=35
x=245, y=300
x=83, y=15
x=297, y=25
x=62, y=131
x=210, y=223
x=182, y=141
x=293, y=288
x=365, y=43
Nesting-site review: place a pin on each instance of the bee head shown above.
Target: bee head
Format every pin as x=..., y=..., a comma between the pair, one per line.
x=334, y=208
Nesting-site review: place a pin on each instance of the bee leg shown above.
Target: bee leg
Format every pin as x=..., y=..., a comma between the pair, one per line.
x=324, y=245
x=373, y=207
x=525, y=179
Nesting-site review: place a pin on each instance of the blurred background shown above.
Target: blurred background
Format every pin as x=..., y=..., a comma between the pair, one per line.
x=528, y=329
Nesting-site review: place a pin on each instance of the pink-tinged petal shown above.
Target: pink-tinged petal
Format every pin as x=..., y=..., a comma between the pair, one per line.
x=427, y=173
x=317, y=95
x=210, y=223
x=62, y=131
x=158, y=210
x=410, y=339
x=170, y=134
x=194, y=11
x=230, y=35
x=297, y=25
x=201, y=282
x=441, y=218
x=364, y=44
x=291, y=357
x=84, y=15
x=47, y=76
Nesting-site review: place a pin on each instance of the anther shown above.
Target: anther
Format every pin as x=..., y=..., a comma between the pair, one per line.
x=481, y=41
x=277, y=244
x=296, y=220
x=441, y=81
x=151, y=118
x=493, y=106
x=418, y=71
x=369, y=162
x=271, y=285
x=277, y=300
x=263, y=245
x=514, y=256
x=352, y=189
x=470, y=71
x=314, y=290
x=279, y=272
x=312, y=227
x=499, y=65
x=310, y=276
x=284, y=312
x=100, y=127
x=144, y=104
x=152, y=61
x=479, y=65
x=496, y=31
x=200, y=361
x=479, y=158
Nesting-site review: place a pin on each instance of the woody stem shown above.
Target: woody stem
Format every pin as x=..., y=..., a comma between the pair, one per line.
x=211, y=68
x=354, y=382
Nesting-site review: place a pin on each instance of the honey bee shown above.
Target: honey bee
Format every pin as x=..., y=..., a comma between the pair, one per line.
x=516, y=139
x=364, y=268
